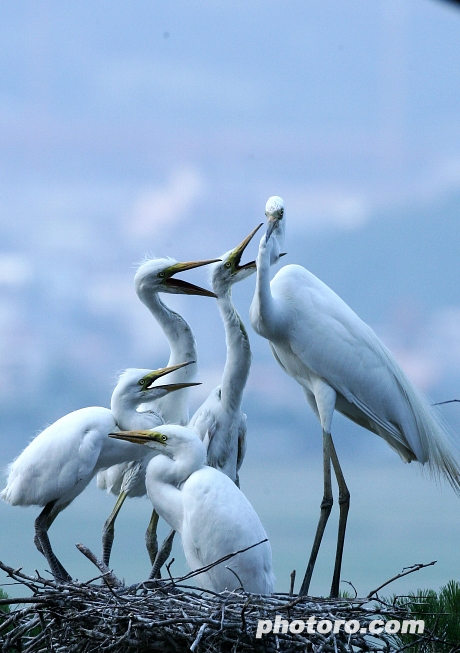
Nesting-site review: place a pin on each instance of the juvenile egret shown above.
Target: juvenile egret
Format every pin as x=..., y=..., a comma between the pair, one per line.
x=212, y=515
x=128, y=479
x=219, y=421
x=60, y=462
x=341, y=364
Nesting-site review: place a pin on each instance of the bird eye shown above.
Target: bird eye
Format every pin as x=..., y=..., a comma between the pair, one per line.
x=163, y=438
x=228, y=264
x=141, y=382
x=161, y=274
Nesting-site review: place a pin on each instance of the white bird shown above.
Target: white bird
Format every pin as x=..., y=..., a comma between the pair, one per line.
x=341, y=364
x=219, y=421
x=60, y=462
x=212, y=515
x=128, y=479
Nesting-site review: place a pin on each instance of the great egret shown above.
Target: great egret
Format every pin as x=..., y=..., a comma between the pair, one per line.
x=341, y=364
x=60, y=462
x=219, y=421
x=212, y=515
x=128, y=479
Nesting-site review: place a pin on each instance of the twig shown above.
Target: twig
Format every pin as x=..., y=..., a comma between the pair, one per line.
x=108, y=576
x=403, y=573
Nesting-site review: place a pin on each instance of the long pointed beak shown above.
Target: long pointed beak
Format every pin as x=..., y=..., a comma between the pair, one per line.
x=172, y=387
x=238, y=251
x=272, y=222
x=149, y=379
x=137, y=437
x=184, y=286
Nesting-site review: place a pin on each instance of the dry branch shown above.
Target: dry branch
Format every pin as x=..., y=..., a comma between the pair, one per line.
x=164, y=616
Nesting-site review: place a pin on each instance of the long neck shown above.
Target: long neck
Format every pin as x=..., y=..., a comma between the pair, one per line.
x=263, y=312
x=238, y=362
x=174, y=407
x=165, y=475
x=123, y=407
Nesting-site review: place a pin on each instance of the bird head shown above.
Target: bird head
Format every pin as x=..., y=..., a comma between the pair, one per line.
x=158, y=275
x=228, y=270
x=274, y=210
x=141, y=382
x=168, y=439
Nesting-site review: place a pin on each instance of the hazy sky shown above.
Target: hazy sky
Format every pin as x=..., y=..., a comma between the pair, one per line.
x=161, y=128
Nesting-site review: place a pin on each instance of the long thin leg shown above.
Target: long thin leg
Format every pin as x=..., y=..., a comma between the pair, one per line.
x=344, y=503
x=42, y=523
x=326, y=507
x=162, y=555
x=151, y=539
x=108, y=531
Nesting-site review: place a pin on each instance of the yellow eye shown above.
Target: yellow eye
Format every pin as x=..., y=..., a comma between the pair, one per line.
x=161, y=274
x=163, y=438
x=228, y=264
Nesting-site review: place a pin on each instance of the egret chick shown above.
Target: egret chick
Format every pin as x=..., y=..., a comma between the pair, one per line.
x=212, y=515
x=128, y=479
x=60, y=462
x=219, y=421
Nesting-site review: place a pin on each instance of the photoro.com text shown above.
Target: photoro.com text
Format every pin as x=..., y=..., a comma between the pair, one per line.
x=313, y=625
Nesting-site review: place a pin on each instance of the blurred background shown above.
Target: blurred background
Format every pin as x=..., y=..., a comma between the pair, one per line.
x=136, y=128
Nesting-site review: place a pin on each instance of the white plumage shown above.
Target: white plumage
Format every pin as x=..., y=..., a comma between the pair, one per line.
x=341, y=364
x=128, y=479
x=60, y=462
x=219, y=421
x=212, y=515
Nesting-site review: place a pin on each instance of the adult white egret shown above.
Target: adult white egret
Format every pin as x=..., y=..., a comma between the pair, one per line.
x=212, y=515
x=341, y=364
x=219, y=421
x=60, y=462
x=128, y=479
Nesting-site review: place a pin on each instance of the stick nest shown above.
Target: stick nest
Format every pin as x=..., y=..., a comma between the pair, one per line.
x=102, y=615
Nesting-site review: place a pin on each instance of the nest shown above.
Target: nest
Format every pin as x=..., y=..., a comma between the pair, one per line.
x=169, y=615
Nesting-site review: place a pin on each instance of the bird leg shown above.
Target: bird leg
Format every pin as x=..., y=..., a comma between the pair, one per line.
x=151, y=540
x=162, y=556
x=42, y=523
x=326, y=507
x=108, y=531
x=344, y=503
x=51, y=516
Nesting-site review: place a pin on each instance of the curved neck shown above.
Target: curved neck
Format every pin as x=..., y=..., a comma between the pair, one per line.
x=123, y=407
x=263, y=310
x=238, y=362
x=174, y=407
x=165, y=475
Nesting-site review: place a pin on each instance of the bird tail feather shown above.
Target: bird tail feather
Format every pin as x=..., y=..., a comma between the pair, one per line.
x=436, y=440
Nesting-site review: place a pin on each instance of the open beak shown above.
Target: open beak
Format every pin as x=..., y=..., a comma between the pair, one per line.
x=137, y=437
x=171, y=387
x=184, y=286
x=238, y=251
x=149, y=379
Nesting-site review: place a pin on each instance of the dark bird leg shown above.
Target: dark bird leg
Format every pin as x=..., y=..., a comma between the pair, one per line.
x=344, y=503
x=42, y=524
x=326, y=507
x=108, y=531
x=151, y=539
x=162, y=555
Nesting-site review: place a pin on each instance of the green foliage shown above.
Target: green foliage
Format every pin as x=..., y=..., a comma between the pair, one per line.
x=441, y=613
x=4, y=595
